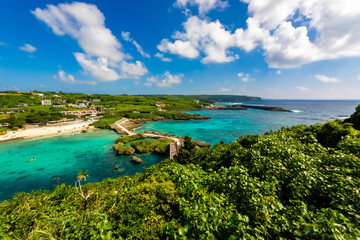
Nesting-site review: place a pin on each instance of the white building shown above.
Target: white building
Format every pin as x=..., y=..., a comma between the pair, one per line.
x=41, y=96
x=46, y=102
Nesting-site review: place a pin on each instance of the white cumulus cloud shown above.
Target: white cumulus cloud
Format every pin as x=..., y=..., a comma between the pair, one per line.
x=166, y=80
x=290, y=33
x=103, y=53
x=200, y=35
x=204, y=6
x=133, y=70
x=161, y=56
x=28, y=48
x=98, y=68
x=69, y=79
x=326, y=79
x=126, y=37
x=85, y=23
x=179, y=47
x=245, y=77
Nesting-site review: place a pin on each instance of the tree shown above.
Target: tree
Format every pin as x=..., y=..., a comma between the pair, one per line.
x=82, y=176
x=187, y=153
x=16, y=120
x=355, y=118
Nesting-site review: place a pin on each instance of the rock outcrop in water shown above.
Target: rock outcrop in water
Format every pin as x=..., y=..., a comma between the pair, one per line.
x=266, y=108
x=136, y=160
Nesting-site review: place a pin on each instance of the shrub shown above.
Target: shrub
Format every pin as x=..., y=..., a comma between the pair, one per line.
x=126, y=139
x=124, y=150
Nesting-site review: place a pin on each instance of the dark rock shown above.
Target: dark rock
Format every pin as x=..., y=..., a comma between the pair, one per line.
x=136, y=160
x=266, y=108
x=202, y=144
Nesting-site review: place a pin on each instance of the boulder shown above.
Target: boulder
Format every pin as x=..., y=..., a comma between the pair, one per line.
x=136, y=160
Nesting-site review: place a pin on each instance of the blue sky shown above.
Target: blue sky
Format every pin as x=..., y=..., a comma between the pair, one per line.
x=269, y=48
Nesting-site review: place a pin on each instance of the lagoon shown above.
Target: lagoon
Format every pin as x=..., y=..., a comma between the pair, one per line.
x=63, y=156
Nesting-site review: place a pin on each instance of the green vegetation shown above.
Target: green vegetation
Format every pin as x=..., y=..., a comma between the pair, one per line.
x=112, y=107
x=13, y=99
x=301, y=182
x=214, y=98
x=33, y=116
x=160, y=146
x=123, y=150
x=106, y=121
x=125, y=139
x=355, y=118
x=3, y=130
x=288, y=184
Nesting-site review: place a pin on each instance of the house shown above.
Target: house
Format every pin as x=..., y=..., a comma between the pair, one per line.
x=96, y=100
x=22, y=105
x=197, y=101
x=81, y=112
x=60, y=100
x=158, y=104
x=59, y=106
x=56, y=95
x=46, y=102
x=41, y=96
x=81, y=105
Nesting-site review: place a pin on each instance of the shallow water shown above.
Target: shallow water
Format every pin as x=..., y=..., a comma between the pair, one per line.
x=229, y=125
x=63, y=157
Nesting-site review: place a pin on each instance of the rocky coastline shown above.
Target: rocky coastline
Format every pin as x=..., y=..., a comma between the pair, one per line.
x=266, y=108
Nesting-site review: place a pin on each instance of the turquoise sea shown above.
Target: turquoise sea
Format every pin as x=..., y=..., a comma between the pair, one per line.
x=64, y=156
x=228, y=125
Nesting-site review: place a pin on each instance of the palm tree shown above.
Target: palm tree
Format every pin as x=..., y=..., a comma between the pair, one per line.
x=82, y=176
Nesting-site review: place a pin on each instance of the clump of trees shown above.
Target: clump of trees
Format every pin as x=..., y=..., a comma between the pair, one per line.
x=18, y=120
x=160, y=146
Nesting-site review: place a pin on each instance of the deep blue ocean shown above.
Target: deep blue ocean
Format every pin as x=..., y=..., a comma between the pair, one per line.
x=64, y=156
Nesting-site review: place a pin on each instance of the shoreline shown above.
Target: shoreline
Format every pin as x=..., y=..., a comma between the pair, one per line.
x=47, y=131
x=127, y=126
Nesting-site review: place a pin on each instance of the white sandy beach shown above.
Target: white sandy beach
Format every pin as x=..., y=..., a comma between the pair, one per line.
x=46, y=131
